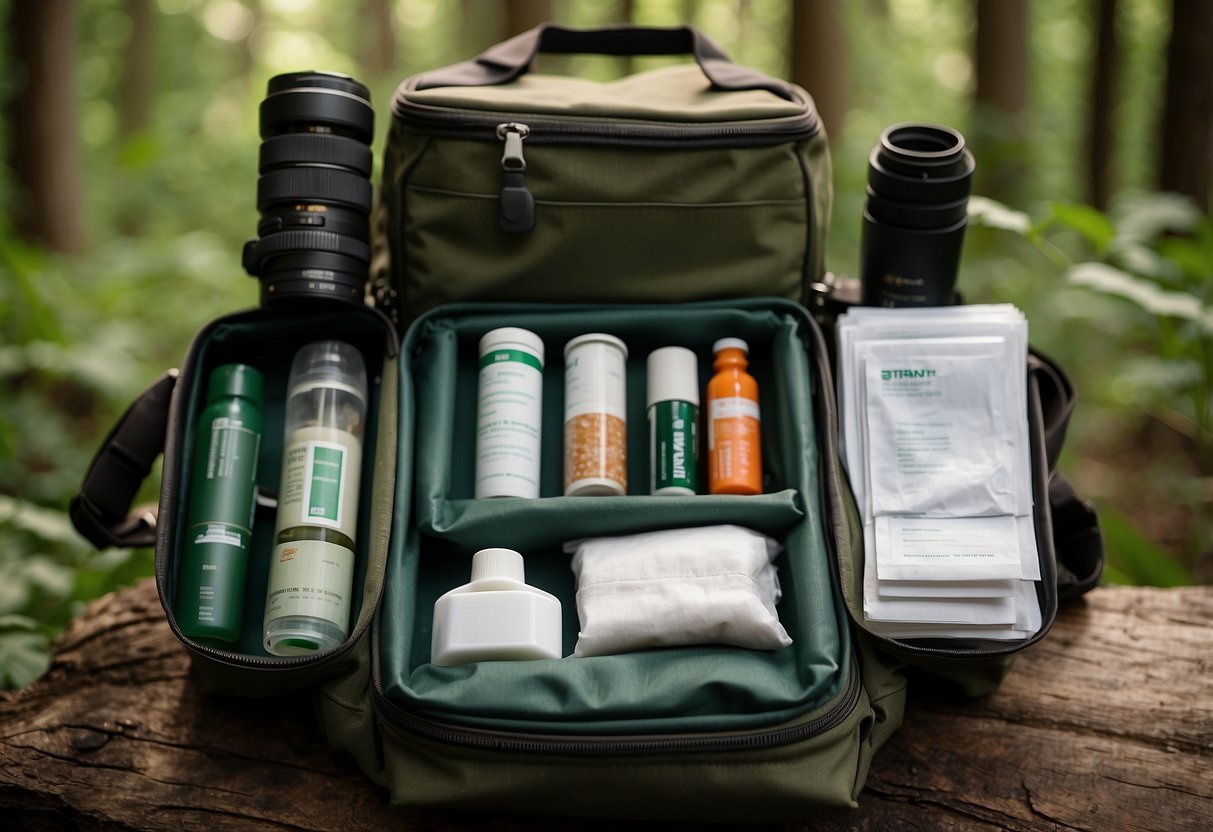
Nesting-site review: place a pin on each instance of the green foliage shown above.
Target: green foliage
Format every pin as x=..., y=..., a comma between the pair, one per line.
x=1139, y=284
x=47, y=574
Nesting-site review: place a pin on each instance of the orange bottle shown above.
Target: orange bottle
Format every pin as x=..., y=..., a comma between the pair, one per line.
x=734, y=445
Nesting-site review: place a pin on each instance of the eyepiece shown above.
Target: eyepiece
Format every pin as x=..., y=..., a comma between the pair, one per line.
x=919, y=178
x=314, y=192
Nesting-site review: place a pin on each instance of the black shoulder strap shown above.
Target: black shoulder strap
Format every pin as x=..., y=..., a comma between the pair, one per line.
x=1077, y=539
x=102, y=510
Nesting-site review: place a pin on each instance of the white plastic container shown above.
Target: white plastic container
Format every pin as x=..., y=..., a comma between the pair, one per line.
x=595, y=416
x=673, y=412
x=509, y=413
x=497, y=616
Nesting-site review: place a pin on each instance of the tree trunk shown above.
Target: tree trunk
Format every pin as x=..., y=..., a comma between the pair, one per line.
x=43, y=146
x=1105, y=724
x=526, y=14
x=1186, y=157
x=819, y=59
x=138, y=70
x=1001, y=58
x=381, y=37
x=1101, y=143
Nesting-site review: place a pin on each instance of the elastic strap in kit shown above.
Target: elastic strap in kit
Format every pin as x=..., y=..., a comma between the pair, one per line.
x=512, y=58
x=101, y=512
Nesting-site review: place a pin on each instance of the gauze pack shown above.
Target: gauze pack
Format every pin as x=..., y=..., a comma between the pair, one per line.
x=708, y=585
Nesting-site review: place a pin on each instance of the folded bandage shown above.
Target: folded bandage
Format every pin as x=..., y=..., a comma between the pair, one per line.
x=709, y=585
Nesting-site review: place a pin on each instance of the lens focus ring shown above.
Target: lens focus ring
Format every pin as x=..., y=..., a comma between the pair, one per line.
x=313, y=184
x=315, y=149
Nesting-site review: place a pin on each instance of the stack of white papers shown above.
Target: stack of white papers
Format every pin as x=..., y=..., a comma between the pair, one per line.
x=933, y=422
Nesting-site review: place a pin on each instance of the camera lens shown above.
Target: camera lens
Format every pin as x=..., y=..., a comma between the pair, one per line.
x=314, y=191
x=919, y=177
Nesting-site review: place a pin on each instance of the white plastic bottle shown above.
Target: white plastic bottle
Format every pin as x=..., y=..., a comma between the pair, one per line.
x=509, y=413
x=497, y=616
x=307, y=604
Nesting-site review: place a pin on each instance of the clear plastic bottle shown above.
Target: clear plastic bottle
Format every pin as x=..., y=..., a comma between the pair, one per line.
x=595, y=416
x=734, y=438
x=307, y=605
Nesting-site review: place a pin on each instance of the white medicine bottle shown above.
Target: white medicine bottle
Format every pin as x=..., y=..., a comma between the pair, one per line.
x=509, y=413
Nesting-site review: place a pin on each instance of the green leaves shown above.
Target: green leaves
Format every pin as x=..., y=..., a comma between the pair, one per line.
x=1134, y=559
x=1145, y=293
x=47, y=574
x=24, y=651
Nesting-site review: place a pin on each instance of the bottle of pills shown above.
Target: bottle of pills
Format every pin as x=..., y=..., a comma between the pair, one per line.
x=595, y=416
x=509, y=413
x=673, y=411
x=734, y=444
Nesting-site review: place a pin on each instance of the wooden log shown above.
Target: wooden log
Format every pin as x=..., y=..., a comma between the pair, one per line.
x=1107, y=724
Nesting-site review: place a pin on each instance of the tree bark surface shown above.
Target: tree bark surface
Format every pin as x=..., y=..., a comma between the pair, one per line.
x=1107, y=724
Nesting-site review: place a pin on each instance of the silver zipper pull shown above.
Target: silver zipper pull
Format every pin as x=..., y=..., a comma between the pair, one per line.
x=516, y=209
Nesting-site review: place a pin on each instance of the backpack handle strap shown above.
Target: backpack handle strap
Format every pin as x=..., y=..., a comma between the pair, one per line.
x=511, y=59
x=101, y=512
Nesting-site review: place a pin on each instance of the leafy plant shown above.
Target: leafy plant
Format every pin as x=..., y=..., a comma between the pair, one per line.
x=1152, y=255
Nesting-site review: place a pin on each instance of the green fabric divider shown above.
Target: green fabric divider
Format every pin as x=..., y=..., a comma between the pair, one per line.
x=680, y=93
x=697, y=688
x=268, y=341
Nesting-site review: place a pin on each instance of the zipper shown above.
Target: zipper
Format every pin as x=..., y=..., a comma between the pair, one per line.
x=568, y=744
x=516, y=208
x=482, y=124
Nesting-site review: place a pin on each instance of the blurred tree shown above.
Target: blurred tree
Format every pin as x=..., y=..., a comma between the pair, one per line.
x=380, y=50
x=688, y=9
x=43, y=142
x=1186, y=146
x=135, y=97
x=819, y=59
x=1101, y=144
x=1001, y=95
x=526, y=14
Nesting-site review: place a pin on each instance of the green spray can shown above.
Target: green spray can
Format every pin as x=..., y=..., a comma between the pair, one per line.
x=219, y=525
x=673, y=410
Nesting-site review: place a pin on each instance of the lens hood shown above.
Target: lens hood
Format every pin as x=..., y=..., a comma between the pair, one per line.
x=303, y=102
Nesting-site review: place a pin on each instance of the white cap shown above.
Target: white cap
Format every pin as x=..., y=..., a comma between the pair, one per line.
x=498, y=565
x=673, y=375
x=592, y=338
x=730, y=343
x=511, y=337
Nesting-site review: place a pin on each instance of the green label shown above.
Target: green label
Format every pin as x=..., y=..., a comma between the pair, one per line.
x=323, y=500
x=675, y=446
x=517, y=356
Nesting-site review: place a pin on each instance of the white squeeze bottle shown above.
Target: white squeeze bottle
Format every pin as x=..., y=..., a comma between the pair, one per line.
x=307, y=604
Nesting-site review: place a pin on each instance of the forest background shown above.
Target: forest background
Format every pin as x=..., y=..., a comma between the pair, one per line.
x=130, y=134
